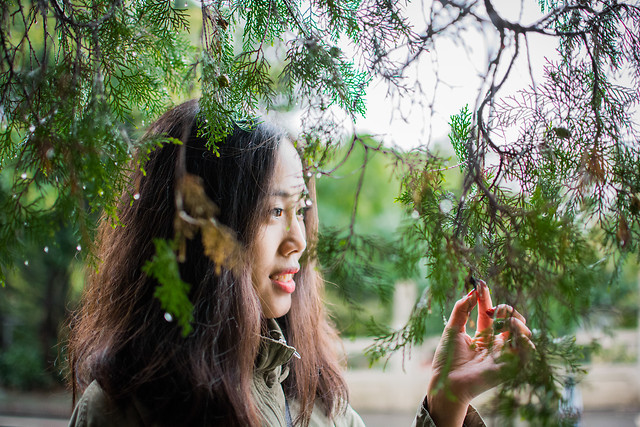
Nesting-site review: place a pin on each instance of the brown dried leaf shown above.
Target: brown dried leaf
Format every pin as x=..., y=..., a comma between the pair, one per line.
x=596, y=167
x=196, y=202
x=199, y=213
x=221, y=246
x=623, y=234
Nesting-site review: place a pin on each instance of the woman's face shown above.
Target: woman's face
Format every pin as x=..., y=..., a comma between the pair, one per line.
x=281, y=237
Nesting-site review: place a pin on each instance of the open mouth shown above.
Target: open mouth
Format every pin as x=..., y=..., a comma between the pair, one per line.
x=287, y=277
x=284, y=280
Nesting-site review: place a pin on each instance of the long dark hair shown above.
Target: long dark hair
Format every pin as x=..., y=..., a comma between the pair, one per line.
x=119, y=336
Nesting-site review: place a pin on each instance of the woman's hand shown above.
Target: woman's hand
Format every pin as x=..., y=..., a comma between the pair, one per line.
x=470, y=363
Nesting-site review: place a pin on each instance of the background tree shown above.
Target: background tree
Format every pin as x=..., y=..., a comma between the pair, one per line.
x=360, y=279
x=539, y=214
x=33, y=310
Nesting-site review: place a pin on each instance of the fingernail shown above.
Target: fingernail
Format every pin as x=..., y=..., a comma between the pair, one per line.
x=480, y=289
x=490, y=312
x=471, y=293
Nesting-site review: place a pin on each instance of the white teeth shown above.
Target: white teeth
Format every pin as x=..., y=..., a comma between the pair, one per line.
x=282, y=277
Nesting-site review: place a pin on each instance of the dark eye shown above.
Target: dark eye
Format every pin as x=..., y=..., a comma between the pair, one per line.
x=302, y=211
x=277, y=212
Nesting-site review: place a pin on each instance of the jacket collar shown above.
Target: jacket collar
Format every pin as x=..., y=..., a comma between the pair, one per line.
x=274, y=350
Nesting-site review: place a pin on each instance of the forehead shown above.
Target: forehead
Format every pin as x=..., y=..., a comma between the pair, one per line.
x=288, y=177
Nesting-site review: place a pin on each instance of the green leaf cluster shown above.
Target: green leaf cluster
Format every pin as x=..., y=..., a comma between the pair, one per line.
x=74, y=77
x=172, y=292
x=459, y=137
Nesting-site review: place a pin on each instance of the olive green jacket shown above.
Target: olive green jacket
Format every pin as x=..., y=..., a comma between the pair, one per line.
x=97, y=409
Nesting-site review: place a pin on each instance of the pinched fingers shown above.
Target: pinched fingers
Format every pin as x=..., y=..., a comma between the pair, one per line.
x=506, y=321
x=507, y=325
x=513, y=332
x=505, y=310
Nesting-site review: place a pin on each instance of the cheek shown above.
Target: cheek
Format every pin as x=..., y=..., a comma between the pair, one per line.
x=264, y=250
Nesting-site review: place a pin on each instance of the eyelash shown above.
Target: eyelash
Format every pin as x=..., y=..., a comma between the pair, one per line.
x=303, y=211
x=277, y=212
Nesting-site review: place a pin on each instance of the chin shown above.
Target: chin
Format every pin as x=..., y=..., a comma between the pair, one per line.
x=280, y=310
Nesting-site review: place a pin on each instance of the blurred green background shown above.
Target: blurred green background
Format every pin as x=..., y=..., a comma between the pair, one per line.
x=39, y=295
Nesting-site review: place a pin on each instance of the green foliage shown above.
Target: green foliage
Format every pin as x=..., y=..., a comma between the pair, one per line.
x=33, y=309
x=315, y=71
x=533, y=246
x=172, y=292
x=461, y=128
x=71, y=78
x=311, y=60
x=360, y=277
x=537, y=223
x=360, y=265
x=21, y=367
x=538, y=378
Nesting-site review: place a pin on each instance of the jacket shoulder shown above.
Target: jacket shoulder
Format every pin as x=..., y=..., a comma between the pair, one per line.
x=350, y=418
x=97, y=409
x=423, y=417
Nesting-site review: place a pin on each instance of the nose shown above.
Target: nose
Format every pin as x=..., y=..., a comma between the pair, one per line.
x=295, y=239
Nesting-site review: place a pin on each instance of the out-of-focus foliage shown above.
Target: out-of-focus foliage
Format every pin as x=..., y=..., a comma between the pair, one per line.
x=33, y=309
x=357, y=248
x=71, y=77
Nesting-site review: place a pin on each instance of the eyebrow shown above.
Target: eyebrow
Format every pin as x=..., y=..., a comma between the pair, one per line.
x=285, y=195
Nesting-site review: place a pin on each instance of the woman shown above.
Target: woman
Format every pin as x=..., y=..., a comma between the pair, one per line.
x=261, y=350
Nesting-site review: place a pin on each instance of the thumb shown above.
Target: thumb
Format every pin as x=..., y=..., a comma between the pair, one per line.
x=461, y=311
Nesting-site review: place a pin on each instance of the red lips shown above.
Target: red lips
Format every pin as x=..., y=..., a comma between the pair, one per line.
x=283, y=280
